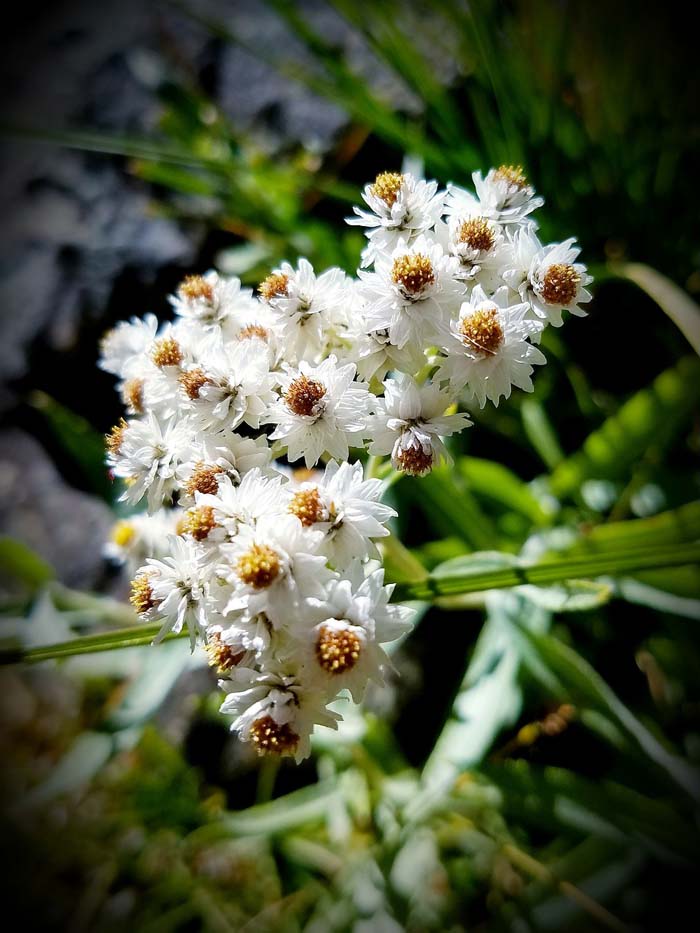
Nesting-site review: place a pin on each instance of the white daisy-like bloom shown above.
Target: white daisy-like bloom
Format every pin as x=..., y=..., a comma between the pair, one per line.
x=132, y=540
x=411, y=422
x=209, y=301
x=224, y=454
x=375, y=354
x=346, y=508
x=275, y=710
x=479, y=245
x=343, y=650
x=149, y=454
x=505, y=195
x=402, y=207
x=125, y=346
x=412, y=293
x=243, y=504
x=321, y=410
x=274, y=567
x=305, y=307
x=548, y=277
x=174, y=590
x=229, y=384
x=490, y=351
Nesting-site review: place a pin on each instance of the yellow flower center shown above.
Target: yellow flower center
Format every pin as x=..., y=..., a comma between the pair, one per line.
x=253, y=331
x=482, y=331
x=259, y=567
x=123, y=533
x=304, y=395
x=196, y=288
x=512, y=174
x=269, y=737
x=560, y=284
x=132, y=395
x=274, y=286
x=141, y=597
x=166, y=352
x=386, y=187
x=413, y=273
x=477, y=233
x=308, y=506
x=198, y=522
x=221, y=656
x=193, y=381
x=337, y=650
x=115, y=438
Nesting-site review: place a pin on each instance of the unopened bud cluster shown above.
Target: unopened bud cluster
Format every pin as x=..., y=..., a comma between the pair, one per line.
x=271, y=564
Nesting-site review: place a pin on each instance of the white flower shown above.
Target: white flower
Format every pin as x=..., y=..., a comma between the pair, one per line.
x=346, y=508
x=548, y=277
x=477, y=243
x=274, y=567
x=208, y=301
x=124, y=347
x=245, y=504
x=275, y=710
x=175, y=590
x=305, y=307
x=134, y=539
x=148, y=454
x=229, y=384
x=402, y=207
x=489, y=351
x=321, y=410
x=410, y=422
x=504, y=195
x=412, y=293
x=375, y=354
x=343, y=650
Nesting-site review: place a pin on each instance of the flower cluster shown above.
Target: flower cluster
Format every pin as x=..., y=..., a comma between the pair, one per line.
x=275, y=567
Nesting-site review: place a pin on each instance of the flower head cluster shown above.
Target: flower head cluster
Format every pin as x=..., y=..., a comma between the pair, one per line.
x=275, y=568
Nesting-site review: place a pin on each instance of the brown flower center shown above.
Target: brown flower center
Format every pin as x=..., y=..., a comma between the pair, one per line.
x=259, y=567
x=477, y=233
x=166, y=352
x=560, y=284
x=196, y=288
x=204, y=479
x=115, y=438
x=222, y=656
x=482, y=331
x=141, y=597
x=413, y=273
x=308, y=506
x=512, y=174
x=337, y=650
x=386, y=187
x=198, y=522
x=304, y=395
x=253, y=331
x=193, y=381
x=274, y=286
x=272, y=737
x=414, y=460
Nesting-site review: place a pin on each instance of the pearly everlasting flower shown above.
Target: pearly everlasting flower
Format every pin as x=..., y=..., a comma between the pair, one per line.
x=479, y=246
x=274, y=568
x=220, y=455
x=210, y=301
x=321, y=410
x=132, y=540
x=174, y=591
x=410, y=423
x=412, y=292
x=505, y=195
x=305, y=307
x=149, y=454
x=548, y=277
x=489, y=350
x=245, y=504
x=346, y=508
x=401, y=208
x=125, y=346
x=275, y=711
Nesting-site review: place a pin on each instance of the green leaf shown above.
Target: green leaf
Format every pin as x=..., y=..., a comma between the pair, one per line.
x=569, y=596
x=540, y=433
x=19, y=562
x=495, y=482
x=651, y=418
x=79, y=765
x=308, y=805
